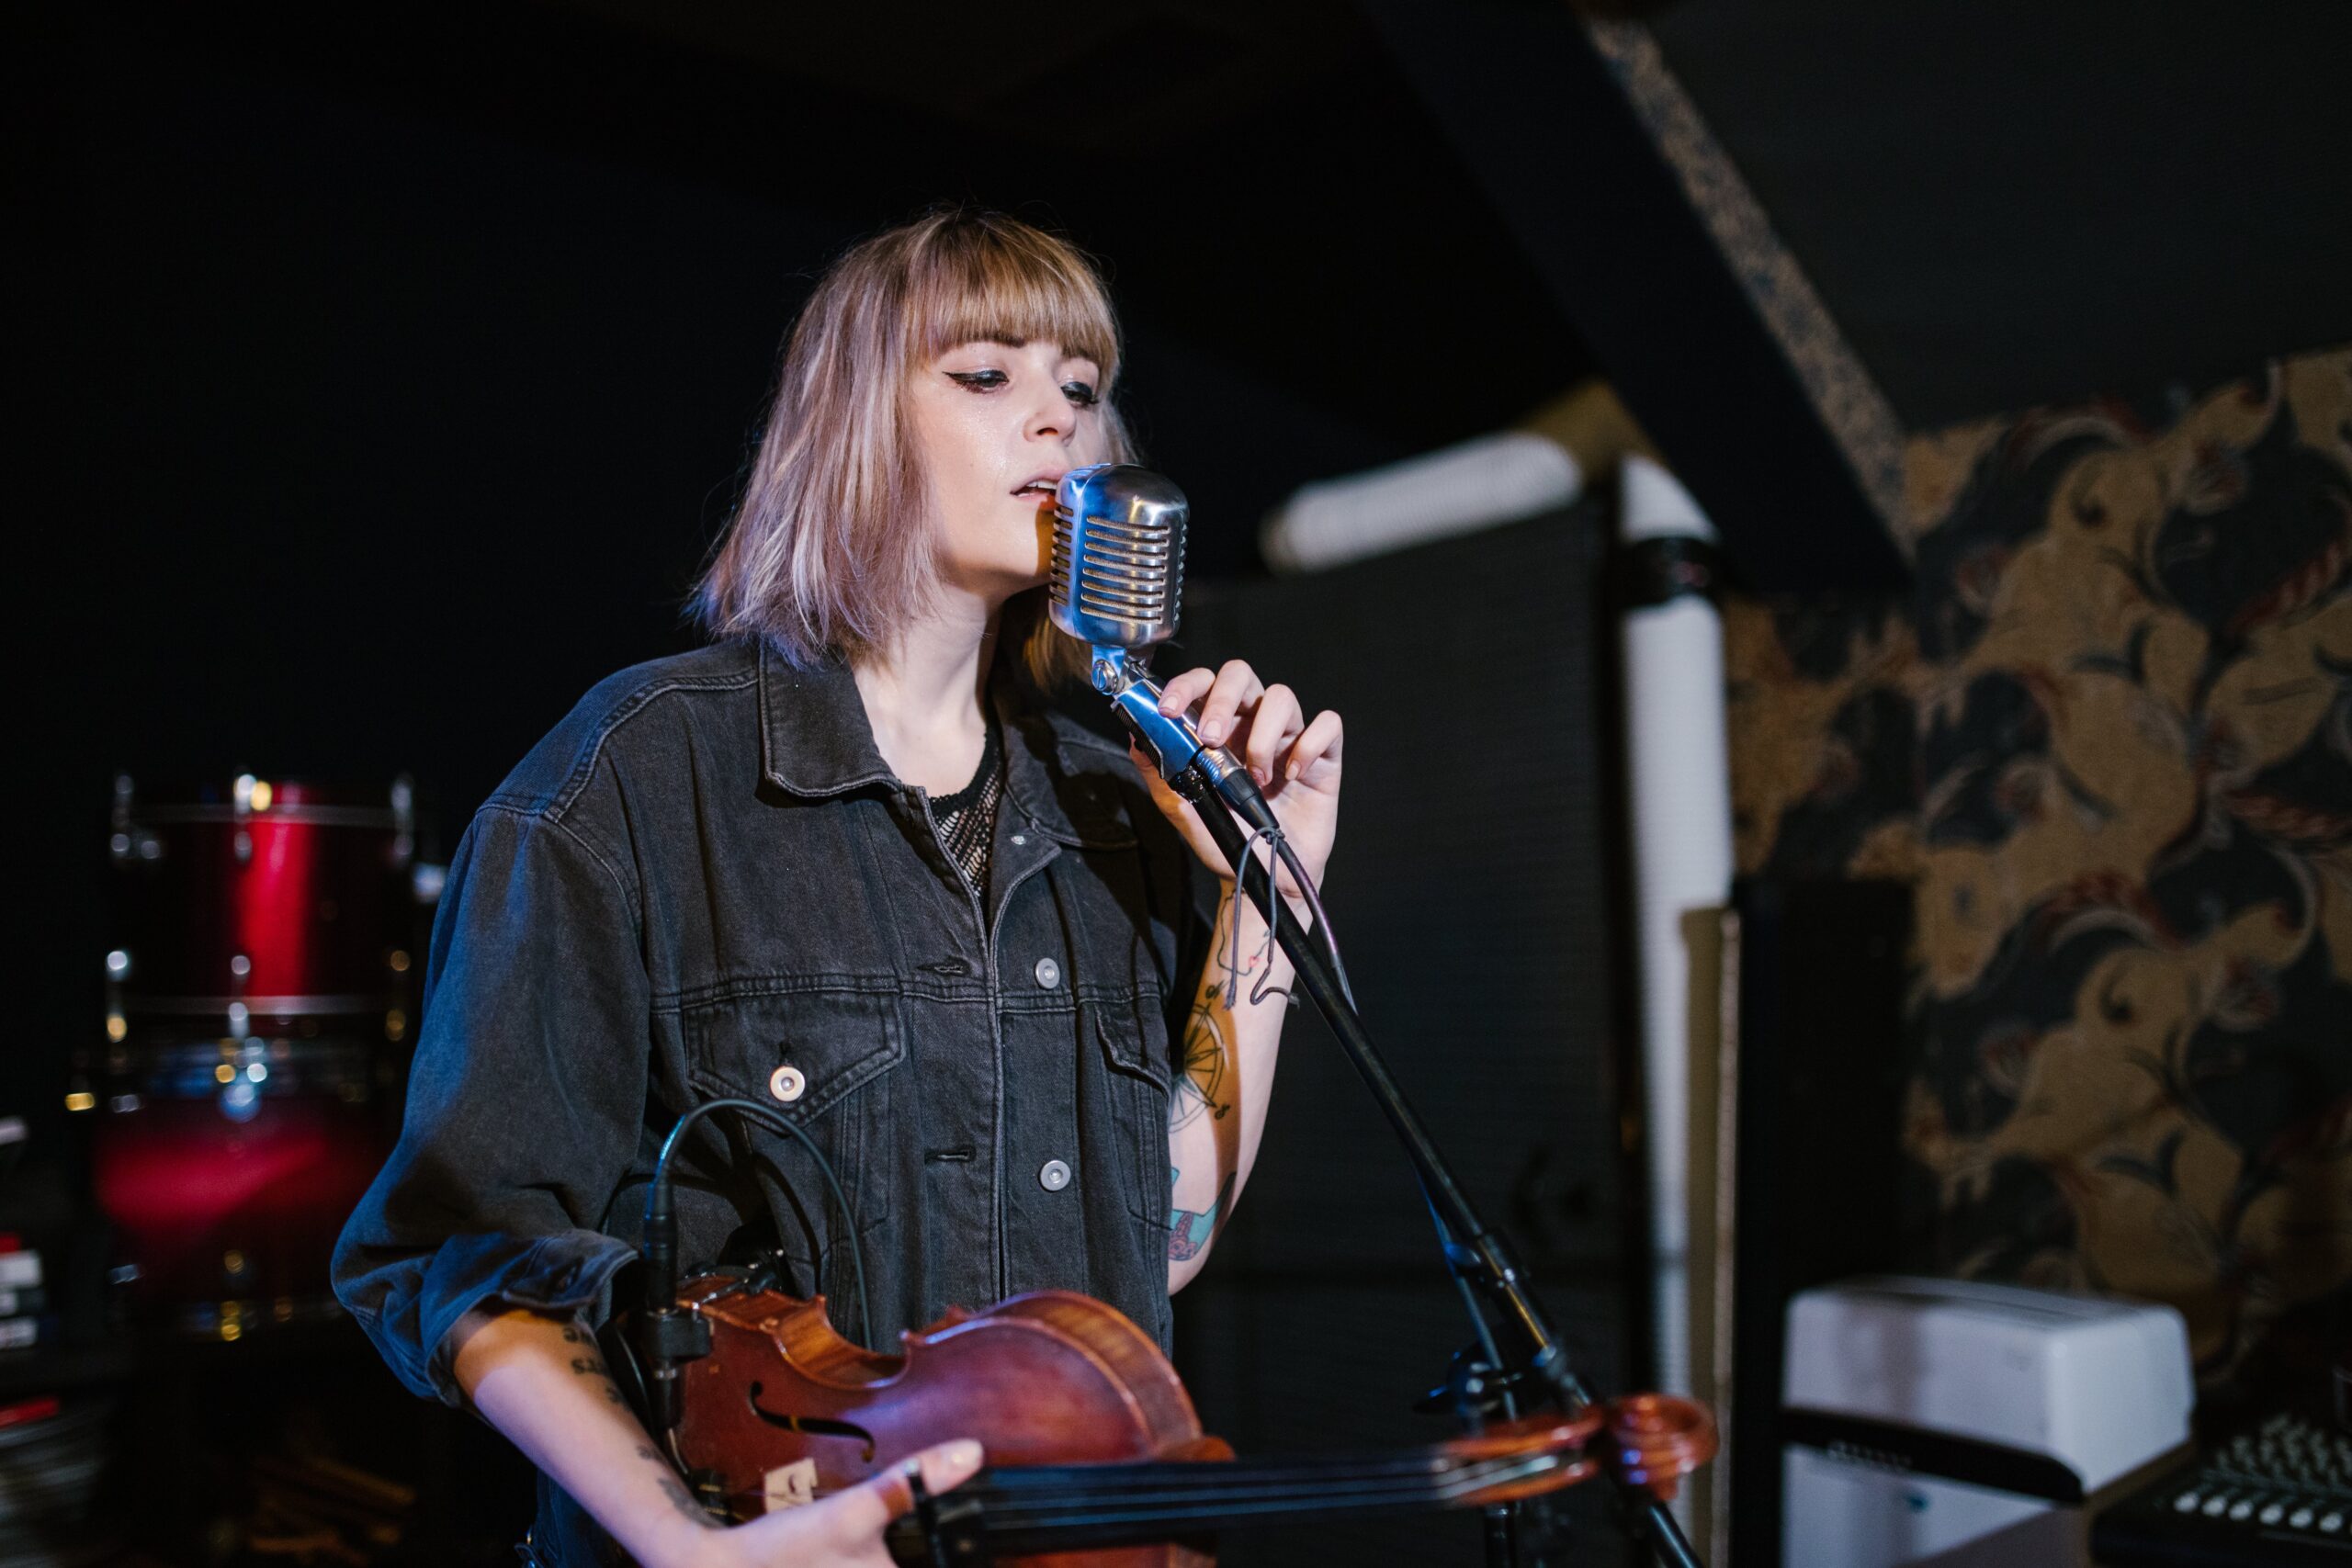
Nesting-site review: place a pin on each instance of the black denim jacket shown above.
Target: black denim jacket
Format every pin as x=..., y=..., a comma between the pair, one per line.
x=705, y=882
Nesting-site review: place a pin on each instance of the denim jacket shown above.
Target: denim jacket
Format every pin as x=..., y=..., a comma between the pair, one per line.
x=705, y=881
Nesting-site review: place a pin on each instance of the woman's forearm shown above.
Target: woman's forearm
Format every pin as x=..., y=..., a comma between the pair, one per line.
x=543, y=1382
x=1217, y=1110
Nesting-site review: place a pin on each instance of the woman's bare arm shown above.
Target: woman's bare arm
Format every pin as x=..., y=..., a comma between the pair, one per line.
x=1227, y=1056
x=1217, y=1107
x=543, y=1382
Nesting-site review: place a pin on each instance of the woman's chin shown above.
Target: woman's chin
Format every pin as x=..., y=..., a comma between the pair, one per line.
x=996, y=581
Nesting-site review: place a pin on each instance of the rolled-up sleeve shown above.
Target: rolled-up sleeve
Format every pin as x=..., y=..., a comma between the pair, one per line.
x=525, y=1102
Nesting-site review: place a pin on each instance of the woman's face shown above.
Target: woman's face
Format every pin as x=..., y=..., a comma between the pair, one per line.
x=999, y=423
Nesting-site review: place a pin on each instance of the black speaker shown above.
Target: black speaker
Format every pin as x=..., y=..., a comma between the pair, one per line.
x=1822, y=1189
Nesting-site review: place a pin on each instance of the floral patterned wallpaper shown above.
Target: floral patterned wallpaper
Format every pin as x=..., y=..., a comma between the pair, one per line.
x=2107, y=736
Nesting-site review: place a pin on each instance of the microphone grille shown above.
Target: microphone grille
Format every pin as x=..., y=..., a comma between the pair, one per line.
x=1118, y=559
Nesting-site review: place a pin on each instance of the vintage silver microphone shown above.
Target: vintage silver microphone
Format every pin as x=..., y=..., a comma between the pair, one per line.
x=1118, y=582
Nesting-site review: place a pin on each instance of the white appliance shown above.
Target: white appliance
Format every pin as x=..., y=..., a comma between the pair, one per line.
x=1959, y=1424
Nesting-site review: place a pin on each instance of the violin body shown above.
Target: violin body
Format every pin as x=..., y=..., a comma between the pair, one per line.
x=1095, y=1456
x=1047, y=1377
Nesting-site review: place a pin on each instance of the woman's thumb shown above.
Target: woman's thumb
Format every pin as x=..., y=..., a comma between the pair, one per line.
x=942, y=1466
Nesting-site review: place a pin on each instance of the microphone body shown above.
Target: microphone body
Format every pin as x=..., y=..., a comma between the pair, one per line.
x=1117, y=586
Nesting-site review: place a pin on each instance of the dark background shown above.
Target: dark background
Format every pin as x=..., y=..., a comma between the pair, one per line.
x=381, y=378
x=393, y=380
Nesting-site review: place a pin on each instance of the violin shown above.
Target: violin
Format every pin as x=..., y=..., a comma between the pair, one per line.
x=1095, y=1456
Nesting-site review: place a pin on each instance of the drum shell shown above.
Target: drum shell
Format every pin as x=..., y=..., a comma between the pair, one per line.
x=228, y=1167
x=301, y=907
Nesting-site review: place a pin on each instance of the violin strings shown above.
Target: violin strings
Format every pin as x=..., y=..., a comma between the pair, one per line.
x=1120, y=1485
x=1210, y=1509
x=1052, y=1484
x=1112, y=1497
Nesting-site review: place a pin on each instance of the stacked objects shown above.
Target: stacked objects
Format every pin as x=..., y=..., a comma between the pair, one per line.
x=258, y=1003
x=1969, y=1425
x=25, y=1318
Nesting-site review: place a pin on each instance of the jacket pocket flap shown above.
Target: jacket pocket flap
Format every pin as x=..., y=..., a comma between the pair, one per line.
x=795, y=1052
x=1135, y=1037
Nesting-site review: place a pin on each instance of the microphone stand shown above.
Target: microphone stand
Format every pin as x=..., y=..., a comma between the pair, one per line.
x=1474, y=1252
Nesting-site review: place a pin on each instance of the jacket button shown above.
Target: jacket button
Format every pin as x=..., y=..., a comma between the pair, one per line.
x=1049, y=974
x=1054, y=1176
x=787, y=1083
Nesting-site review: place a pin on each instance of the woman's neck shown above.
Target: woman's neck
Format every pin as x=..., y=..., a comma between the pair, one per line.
x=924, y=697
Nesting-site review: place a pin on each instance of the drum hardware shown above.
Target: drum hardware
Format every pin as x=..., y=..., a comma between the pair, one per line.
x=246, y=1093
x=227, y=1168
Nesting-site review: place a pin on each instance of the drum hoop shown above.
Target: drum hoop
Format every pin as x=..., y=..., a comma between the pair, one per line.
x=306, y=1048
x=257, y=1007
x=305, y=815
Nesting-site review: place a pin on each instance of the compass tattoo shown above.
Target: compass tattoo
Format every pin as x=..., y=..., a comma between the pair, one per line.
x=1202, y=1086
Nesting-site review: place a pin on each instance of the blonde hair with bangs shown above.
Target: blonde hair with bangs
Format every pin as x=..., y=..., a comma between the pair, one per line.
x=833, y=545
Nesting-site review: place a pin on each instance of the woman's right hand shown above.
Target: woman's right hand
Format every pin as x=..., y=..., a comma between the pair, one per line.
x=844, y=1530
x=541, y=1381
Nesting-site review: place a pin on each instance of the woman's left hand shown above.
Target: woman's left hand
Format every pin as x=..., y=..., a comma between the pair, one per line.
x=1296, y=763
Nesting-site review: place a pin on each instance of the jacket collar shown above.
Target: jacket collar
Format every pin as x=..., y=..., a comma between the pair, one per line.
x=815, y=740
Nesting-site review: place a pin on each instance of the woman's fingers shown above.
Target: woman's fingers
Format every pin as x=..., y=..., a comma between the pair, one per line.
x=861, y=1511
x=1182, y=691
x=1273, y=724
x=1236, y=686
x=1319, y=742
x=1162, y=793
x=1224, y=695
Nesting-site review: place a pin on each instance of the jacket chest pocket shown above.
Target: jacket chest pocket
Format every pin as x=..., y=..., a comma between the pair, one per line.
x=822, y=1060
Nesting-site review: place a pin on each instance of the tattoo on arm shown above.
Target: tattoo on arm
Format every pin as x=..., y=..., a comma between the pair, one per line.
x=676, y=1489
x=1188, y=1232
x=1202, y=1086
x=591, y=1365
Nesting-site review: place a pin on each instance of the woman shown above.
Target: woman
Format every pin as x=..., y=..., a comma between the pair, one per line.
x=844, y=862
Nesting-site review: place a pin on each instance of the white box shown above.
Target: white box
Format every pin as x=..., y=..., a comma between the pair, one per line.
x=1925, y=1418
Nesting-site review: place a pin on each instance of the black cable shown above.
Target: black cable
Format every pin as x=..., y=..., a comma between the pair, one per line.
x=1322, y=921
x=657, y=1193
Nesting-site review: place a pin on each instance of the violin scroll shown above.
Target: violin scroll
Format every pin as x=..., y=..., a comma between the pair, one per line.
x=1655, y=1439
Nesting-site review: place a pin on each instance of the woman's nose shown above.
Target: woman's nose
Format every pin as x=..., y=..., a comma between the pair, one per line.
x=1055, y=415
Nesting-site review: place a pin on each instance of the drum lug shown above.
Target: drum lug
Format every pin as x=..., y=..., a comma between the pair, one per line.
x=129, y=844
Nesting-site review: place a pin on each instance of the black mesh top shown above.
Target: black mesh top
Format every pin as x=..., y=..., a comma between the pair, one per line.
x=967, y=819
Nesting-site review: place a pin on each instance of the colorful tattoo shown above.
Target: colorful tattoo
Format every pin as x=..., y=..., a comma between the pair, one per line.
x=1188, y=1232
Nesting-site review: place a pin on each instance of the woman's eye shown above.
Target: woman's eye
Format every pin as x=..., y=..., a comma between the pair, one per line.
x=977, y=380
x=1080, y=393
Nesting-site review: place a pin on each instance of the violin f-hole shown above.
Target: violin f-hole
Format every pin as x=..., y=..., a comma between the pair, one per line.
x=814, y=1426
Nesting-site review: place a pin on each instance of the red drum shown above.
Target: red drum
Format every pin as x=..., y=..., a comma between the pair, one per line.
x=228, y=1167
x=267, y=899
